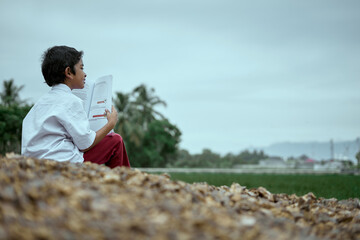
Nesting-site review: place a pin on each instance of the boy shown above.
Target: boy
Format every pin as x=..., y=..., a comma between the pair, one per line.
x=57, y=126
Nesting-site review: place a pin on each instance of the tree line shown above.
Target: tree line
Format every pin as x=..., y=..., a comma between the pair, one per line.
x=209, y=159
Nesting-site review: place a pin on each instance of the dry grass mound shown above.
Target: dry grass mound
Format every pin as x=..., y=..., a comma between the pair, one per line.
x=42, y=199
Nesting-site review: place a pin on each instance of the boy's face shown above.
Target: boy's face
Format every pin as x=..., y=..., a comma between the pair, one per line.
x=77, y=80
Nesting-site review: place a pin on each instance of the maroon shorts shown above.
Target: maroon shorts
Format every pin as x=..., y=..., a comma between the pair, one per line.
x=109, y=151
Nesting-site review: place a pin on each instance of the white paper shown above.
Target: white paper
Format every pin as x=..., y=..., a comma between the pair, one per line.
x=96, y=96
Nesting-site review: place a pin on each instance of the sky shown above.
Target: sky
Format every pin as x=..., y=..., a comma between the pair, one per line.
x=234, y=74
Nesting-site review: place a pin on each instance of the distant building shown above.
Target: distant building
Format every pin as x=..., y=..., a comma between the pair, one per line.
x=330, y=165
x=274, y=162
x=307, y=163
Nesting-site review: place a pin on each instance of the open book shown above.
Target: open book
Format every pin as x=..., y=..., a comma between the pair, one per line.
x=96, y=96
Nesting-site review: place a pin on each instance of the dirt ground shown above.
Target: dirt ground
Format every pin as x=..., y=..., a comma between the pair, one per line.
x=43, y=199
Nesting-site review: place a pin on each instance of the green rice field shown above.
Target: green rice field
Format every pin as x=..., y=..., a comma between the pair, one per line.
x=326, y=186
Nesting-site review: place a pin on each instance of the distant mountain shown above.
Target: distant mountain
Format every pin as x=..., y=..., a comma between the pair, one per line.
x=342, y=150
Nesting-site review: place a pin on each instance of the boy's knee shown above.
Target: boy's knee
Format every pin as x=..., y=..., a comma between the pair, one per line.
x=117, y=138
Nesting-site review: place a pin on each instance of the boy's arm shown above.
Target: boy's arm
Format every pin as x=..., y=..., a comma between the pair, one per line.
x=102, y=132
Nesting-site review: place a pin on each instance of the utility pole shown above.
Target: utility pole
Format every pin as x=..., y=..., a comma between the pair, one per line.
x=358, y=153
x=332, y=150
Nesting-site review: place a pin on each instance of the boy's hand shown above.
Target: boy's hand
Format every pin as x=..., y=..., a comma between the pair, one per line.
x=112, y=116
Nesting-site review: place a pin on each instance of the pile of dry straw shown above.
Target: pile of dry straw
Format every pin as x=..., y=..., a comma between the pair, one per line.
x=42, y=199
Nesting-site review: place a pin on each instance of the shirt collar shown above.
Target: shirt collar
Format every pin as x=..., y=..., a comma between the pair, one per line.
x=61, y=87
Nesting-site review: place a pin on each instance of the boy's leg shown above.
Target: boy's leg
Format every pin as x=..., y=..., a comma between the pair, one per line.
x=109, y=151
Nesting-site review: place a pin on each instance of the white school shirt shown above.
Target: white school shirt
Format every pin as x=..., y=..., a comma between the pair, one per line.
x=56, y=127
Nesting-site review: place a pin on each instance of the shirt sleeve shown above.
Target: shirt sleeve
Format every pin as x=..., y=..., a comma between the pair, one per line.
x=77, y=125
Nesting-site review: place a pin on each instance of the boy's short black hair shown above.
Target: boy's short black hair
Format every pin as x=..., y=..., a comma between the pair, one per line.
x=55, y=60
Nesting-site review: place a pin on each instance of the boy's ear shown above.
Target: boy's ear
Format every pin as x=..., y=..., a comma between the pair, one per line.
x=68, y=72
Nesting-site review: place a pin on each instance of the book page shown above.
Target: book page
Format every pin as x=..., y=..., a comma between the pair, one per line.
x=85, y=94
x=101, y=100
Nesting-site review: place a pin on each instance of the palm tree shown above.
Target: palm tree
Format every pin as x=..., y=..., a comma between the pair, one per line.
x=10, y=94
x=135, y=112
x=128, y=125
x=145, y=102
